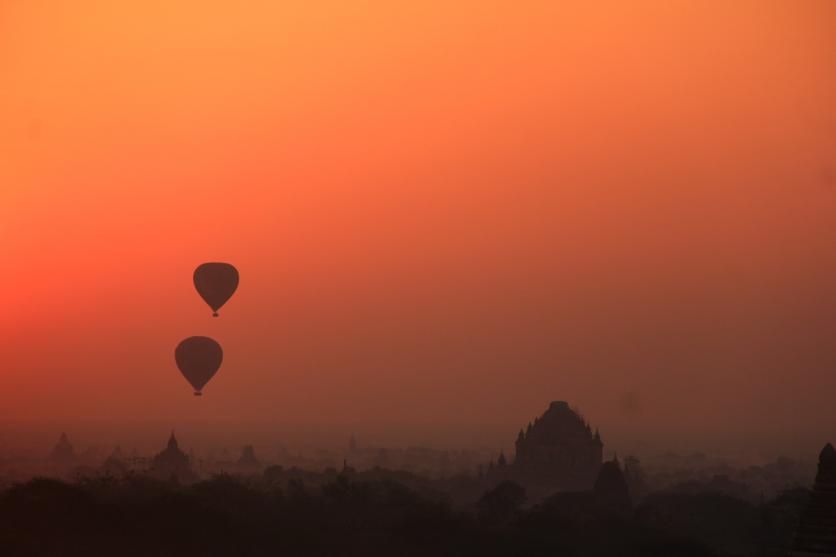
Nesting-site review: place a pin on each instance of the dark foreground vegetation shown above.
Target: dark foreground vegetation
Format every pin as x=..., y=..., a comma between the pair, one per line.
x=232, y=516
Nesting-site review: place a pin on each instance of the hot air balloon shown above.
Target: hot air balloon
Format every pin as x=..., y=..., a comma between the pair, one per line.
x=216, y=283
x=198, y=358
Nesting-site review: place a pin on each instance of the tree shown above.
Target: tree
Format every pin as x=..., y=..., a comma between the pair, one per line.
x=502, y=503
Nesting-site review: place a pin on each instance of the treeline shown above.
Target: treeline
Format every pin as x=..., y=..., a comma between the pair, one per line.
x=233, y=516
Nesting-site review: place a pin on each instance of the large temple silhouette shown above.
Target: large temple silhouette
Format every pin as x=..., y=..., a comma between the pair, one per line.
x=557, y=452
x=816, y=533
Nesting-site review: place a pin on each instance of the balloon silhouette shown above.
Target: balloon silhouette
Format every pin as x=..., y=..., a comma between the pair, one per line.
x=198, y=358
x=216, y=283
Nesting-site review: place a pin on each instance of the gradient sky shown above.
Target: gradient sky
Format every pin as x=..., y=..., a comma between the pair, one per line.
x=445, y=215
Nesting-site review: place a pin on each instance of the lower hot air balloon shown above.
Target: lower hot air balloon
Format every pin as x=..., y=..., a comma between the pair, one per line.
x=199, y=359
x=216, y=283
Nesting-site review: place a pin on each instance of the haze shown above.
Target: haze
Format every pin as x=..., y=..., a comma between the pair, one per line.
x=445, y=215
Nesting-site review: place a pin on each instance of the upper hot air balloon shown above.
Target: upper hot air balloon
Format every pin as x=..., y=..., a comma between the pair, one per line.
x=216, y=283
x=198, y=358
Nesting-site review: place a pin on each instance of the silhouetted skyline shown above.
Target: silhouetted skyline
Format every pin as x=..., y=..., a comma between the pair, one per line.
x=515, y=278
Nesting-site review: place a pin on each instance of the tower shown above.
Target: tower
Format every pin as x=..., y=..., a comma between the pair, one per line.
x=610, y=489
x=816, y=533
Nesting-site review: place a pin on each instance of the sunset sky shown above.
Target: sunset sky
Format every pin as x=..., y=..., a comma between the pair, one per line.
x=445, y=215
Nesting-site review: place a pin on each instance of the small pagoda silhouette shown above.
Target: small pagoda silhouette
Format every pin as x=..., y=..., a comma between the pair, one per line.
x=63, y=451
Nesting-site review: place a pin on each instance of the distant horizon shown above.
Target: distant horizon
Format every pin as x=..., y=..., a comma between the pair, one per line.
x=150, y=435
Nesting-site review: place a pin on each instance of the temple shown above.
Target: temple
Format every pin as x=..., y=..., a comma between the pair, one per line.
x=172, y=464
x=63, y=452
x=557, y=452
x=611, y=490
x=609, y=496
x=114, y=465
x=248, y=459
x=816, y=533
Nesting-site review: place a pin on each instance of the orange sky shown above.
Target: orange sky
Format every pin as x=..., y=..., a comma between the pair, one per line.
x=445, y=214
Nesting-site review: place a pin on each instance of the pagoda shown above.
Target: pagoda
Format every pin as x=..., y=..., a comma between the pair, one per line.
x=172, y=464
x=816, y=533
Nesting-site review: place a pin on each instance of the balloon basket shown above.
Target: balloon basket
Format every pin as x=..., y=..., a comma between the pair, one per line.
x=198, y=393
x=215, y=314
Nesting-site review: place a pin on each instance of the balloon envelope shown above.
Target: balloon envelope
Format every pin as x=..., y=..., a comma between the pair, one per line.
x=198, y=358
x=216, y=283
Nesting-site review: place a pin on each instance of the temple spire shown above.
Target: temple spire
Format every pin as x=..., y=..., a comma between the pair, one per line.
x=816, y=531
